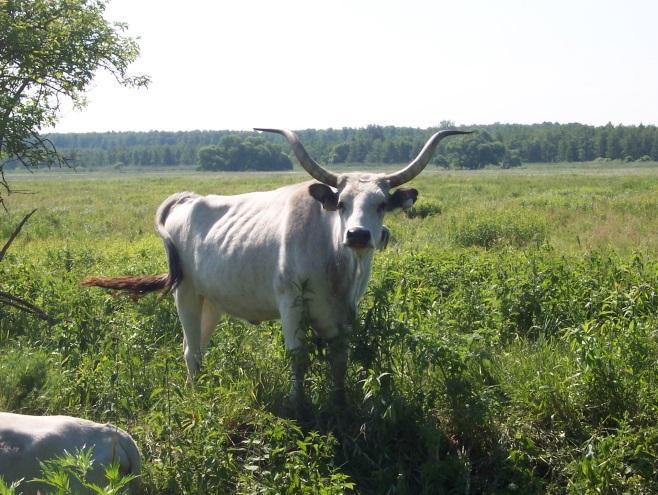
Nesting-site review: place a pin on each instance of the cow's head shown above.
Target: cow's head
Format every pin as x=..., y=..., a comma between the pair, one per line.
x=360, y=200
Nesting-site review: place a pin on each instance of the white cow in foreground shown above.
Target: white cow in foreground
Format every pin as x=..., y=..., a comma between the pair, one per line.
x=26, y=440
x=249, y=255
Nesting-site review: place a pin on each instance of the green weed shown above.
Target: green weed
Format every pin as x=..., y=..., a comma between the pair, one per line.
x=507, y=343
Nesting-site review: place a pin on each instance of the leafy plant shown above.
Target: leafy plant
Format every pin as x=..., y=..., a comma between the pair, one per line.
x=526, y=367
x=68, y=475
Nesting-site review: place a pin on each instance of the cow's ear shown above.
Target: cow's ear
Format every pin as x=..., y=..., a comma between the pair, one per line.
x=325, y=195
x=402, y=198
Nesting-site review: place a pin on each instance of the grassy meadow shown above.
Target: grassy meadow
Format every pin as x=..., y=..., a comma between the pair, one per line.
x=508, y=342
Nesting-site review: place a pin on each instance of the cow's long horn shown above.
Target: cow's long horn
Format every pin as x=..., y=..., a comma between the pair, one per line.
x=310, y=165
x=417, y=166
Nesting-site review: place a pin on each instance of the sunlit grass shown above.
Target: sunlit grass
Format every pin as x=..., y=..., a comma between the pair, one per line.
x=506, y=344
x=583, y=208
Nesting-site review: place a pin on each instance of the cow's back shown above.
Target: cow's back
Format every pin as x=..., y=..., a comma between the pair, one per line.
x=25, y=440
x=230, y=247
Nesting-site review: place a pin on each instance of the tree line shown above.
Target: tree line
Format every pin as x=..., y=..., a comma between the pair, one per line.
x=506, y=145
x=235, y=154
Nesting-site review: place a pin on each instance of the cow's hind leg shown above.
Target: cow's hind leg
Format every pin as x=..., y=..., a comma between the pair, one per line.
x=190, y=307
x=209, y=318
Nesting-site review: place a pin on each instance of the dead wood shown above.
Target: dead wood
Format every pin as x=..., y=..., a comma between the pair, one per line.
x=18, y=302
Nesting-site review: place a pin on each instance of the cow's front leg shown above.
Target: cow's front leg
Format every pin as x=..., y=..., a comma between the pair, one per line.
x=295, y=339
x=337, y=353
x=299, y=363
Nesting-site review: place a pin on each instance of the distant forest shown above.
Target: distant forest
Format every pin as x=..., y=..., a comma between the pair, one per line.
x=505, y=145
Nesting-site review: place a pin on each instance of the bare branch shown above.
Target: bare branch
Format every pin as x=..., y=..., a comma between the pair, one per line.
x=14, y=234
x=15, y=301
x=26, y=306
x=3, y=183
x=45, y=143
x=17, y=96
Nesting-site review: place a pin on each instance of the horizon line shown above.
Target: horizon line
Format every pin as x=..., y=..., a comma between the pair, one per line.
x=609, y=123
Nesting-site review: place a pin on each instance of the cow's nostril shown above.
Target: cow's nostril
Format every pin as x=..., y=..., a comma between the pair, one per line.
x=358, y=237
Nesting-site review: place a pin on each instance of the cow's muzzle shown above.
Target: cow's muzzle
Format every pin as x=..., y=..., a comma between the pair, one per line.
x=358, y=238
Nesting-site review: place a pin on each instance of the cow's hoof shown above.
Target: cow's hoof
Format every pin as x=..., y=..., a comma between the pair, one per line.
x=339, y=398
x=298, y=407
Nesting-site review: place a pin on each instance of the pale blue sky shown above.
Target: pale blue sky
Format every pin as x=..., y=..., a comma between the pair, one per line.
x=349, y=63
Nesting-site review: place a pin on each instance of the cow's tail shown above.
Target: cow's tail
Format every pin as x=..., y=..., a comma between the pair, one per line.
x=139, y=285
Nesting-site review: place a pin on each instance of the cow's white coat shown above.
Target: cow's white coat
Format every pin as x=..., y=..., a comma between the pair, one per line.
x=26, y=440
x=249, y=255
x=258, y=255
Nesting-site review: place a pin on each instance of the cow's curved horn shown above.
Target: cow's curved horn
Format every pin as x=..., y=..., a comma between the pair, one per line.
x=310, y=165
x=417, y=166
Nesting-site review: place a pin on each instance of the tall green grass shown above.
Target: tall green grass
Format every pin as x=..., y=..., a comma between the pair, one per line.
x=507, y=343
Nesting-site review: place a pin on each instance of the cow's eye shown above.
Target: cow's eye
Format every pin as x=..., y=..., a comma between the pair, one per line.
x=340, y=205
x=382, y=206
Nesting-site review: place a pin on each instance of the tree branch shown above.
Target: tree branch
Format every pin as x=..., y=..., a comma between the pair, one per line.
x=15, y=234
x=5, y=184
x=23, y=305
x=15, y=301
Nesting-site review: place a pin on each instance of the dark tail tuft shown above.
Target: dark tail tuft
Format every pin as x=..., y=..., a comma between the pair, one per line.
x=135, y=286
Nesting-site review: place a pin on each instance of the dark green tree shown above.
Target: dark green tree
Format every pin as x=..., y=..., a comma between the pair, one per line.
x=359, y=148
x=339, y=153
x=234, y=154
x=212, y=158
x=547, y=142
x=512, y=158
x=477, y=152
x=614, y=149
x=50, y=51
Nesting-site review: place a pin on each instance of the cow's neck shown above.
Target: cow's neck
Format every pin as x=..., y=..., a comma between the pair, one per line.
x=353, y=270
x=362, y=267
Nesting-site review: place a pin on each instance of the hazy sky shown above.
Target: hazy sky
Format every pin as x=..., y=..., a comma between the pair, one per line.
x=240, y=64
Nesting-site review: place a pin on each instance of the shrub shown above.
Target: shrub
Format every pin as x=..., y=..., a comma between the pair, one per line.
x=424, y=208
x=620, y=461
x=486, y=229
x=67, y=474
x=23, y=373
x=236, y=154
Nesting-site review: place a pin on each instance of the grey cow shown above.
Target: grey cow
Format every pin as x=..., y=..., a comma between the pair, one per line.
x=247, y=255
x=26, y=440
